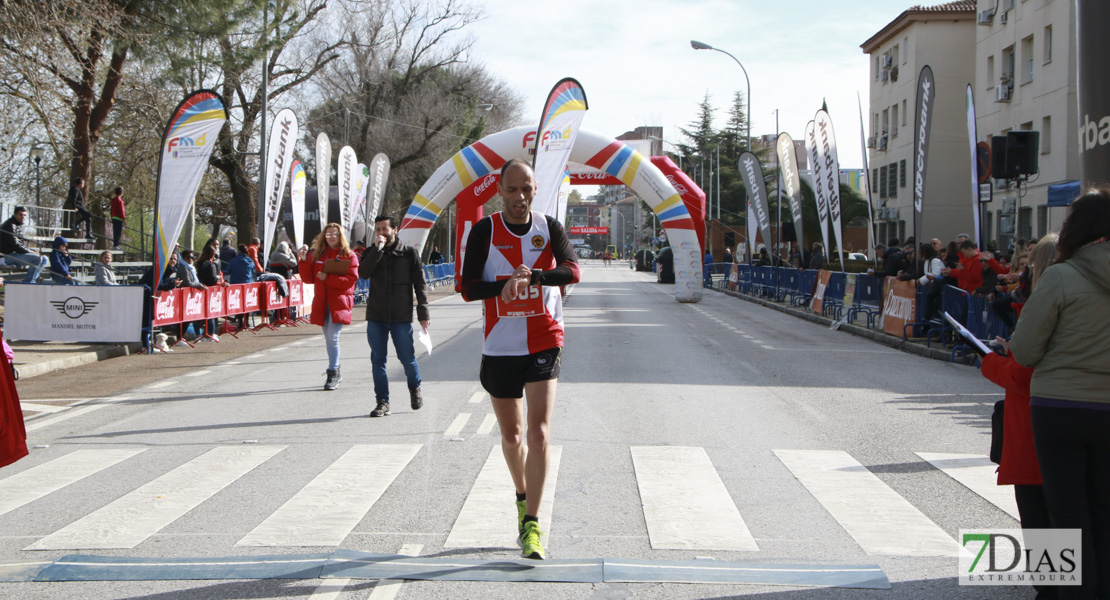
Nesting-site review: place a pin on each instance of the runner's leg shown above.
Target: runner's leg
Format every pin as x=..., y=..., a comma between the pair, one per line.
x=510, y=419
x=541, y=403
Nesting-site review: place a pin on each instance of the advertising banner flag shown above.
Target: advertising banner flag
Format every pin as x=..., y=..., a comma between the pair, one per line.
x=830, y=172
x=375, y=194
x=361, y=184
x=283, y=136
x=865, y=182
x=81, y=313
x=562, y=115
x=564, y=197
x=296, y=202
x=188, y=142
x=973, y=146
x=818, y=190
x=922, y=123
x=1092, y=22
x=346, y=171
x=752, y=173
x=323, y=175
x=788, y=165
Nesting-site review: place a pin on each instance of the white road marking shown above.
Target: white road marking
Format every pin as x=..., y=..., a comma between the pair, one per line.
x=686, y=505
x=977, y=473
x=488, y=516
x=879, y=519
x=457, y=425
x=34, y=483
x=387, y=589
x=161, y=384
x=42, y=408
x=766, y=347
x=477, y=397
x=198, y=373
x=69, y=414
x=336, y=500
x=487, y=424
x=329, y=589
x=126, y=522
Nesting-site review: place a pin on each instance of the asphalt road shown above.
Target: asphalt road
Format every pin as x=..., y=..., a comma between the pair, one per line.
x=719, y=430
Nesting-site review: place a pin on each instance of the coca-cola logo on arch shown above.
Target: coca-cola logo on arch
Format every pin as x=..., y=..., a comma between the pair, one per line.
x=486, y=182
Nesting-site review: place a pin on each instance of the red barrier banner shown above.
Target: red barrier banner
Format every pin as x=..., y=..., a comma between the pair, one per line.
x=251, y=300
x=233, y=302
x=819, y=286
x=193, y=299
x=215, y=301
x=273, y=299
x=167, y=308
x=296, y=292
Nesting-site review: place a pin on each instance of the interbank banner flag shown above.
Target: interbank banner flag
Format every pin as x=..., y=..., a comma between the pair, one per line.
x=1093, y=21
x=74, y=313
x=973, y=143
x=866, y=182
x=379, y=178
x=562, y=114
x=346, y=172
x=296, y=202
x=830, y=171
x=788, y=165
x=188, y=142
x=818, y=190
x=924, y=120
x=323, y=175
x=752, y=173
x=283, y=136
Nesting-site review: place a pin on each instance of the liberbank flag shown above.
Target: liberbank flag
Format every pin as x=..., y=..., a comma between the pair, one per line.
x=752, y=173
x=73, y=313
x=788, y=161
x=562, y=115
x=346, y=171
x=283, y=136
x=186, y=146
x=296, y=202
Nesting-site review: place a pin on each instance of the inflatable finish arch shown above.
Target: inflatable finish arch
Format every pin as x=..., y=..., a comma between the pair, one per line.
x=606, y=155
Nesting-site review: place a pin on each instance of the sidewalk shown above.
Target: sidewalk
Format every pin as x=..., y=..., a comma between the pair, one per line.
x=38, y=358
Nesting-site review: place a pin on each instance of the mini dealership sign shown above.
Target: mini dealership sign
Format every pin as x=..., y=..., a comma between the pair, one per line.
x=67, y=313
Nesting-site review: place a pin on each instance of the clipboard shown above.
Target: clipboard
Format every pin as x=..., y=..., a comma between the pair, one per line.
x=975, y=343
x=335, y=266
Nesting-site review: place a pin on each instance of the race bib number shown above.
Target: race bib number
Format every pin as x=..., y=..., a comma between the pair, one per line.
x=528, y=305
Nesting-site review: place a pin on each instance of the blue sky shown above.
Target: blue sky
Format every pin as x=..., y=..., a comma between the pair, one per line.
x=635, y=61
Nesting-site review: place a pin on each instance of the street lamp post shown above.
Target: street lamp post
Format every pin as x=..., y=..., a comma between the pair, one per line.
x=613, y=210
x=37, y=154
x=748, y=116
x=679, y=150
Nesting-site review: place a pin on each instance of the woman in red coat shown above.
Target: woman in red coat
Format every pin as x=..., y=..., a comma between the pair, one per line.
x=334, y=293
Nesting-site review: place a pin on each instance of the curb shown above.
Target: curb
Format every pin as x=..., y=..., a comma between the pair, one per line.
x=880, y=337
x=28, y=370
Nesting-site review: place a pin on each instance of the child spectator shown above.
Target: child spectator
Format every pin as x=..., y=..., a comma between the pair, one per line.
x=119, y=216
x=60, y=261
x=103, y=270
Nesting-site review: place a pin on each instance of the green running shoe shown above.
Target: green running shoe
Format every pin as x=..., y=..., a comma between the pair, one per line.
x=520, y=506
x=530, y=546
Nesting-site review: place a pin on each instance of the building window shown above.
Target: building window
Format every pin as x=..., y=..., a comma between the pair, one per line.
x=886, y=120
x=875, y=179
x=990, y=72
x=1046, y=135
x=1047, y=44
x=894, y=55
x=882, y=181
x=894, y=121
x=1025, y=224
x=878, y=66
x=1042, y=221
x=1027, y=59
x=906, y=47
x=1007, y=4
x=902, y=173
x=1007, y=74
x=892, y=181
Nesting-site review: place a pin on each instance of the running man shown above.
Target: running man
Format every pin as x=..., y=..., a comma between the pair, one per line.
x=516, y=261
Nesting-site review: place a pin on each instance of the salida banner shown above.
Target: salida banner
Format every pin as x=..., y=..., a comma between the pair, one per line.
x=899, y=298
x=588, y=230
x=67, y=313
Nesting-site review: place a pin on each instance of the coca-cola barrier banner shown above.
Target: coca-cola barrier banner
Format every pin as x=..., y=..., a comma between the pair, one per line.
x=1093, y=20
x=188, y=304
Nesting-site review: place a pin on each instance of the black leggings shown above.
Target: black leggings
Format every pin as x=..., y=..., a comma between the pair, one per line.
x=83, y=216
x=1034, y=515
x=1073, y=448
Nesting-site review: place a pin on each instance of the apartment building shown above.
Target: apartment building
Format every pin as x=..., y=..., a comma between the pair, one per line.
x=1025, y=80
x=943, y=37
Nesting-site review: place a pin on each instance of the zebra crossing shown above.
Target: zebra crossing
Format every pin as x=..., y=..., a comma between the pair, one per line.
x=683, y=500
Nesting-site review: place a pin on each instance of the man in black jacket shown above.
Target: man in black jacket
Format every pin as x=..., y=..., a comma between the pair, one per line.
x=892, y=260
x=76, y=199
x=11, y=246
x=395, y=274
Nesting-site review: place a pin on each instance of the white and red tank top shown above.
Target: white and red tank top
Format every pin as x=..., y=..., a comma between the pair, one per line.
x=535, y=322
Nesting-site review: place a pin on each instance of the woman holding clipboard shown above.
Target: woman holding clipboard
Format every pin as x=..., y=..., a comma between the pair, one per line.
x=332, y=268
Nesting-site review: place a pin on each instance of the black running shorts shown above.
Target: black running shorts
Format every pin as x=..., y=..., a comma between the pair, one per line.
x=505, y=376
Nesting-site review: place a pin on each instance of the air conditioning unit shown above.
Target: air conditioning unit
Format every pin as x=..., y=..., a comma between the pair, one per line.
x=888, y=61
x=885, y=76
x=1004, y=17
x=882, y=142
x=1002, y=93
x=871, y=142
x=986, y=17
